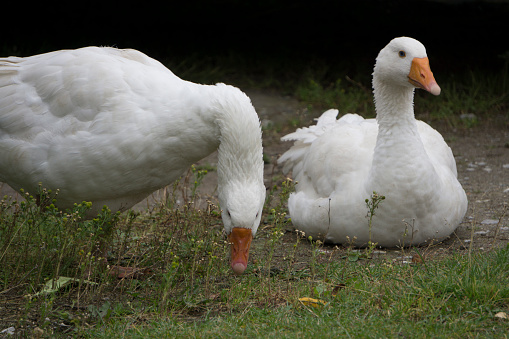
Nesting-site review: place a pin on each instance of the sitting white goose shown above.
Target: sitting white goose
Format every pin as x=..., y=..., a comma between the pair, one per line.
x=338, y=164
x=112, y=126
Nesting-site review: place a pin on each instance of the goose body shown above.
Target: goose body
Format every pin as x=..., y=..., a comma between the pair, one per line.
x=338, y=164
x=112, y=126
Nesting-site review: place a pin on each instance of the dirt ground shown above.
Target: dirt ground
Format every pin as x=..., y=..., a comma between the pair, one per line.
x=481, y=152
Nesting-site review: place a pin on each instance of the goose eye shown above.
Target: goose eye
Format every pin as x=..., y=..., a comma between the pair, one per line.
x=402, y=54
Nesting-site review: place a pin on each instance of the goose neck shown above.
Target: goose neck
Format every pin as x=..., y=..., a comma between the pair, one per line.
x=394, y=107
x=240, y=140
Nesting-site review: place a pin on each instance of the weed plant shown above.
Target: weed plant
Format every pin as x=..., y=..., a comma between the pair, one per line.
x=372, y=204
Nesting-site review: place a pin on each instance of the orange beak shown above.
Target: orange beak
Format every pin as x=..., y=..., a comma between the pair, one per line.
x=420, y=76
x=240, y=238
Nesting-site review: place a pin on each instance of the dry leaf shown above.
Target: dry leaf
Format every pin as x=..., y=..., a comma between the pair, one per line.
x=417, y=258
x=129, y=272
x=502, y=315
x=311, y=302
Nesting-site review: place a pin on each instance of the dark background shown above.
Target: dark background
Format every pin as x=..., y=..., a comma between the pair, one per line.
x=458, y=35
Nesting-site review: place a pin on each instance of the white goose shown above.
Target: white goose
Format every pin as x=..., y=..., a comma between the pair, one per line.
x=338, y=164
x=112, y=126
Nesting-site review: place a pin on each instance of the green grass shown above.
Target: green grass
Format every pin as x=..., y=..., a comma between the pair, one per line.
x=188, y=290
x=448, y=299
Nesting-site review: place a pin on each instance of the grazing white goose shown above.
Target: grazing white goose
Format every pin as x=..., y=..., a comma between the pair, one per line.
x=338, y=164
x=112, y=126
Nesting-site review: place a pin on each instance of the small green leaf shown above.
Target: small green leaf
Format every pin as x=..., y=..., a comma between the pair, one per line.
x=53, y=286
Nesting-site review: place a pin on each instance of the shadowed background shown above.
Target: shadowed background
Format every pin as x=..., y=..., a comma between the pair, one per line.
x=288, y=35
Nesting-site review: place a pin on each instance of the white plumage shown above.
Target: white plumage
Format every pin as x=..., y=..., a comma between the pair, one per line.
x=338, y=164
x=112, y=126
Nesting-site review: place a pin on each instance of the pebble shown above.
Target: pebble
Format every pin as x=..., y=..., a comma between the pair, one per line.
x=473, y=166
x=489, y=222
x=8, y=331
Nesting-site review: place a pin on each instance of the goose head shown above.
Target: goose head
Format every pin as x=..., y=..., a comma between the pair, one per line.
x=242, y=206
x=241, y=191
x=404, y=63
